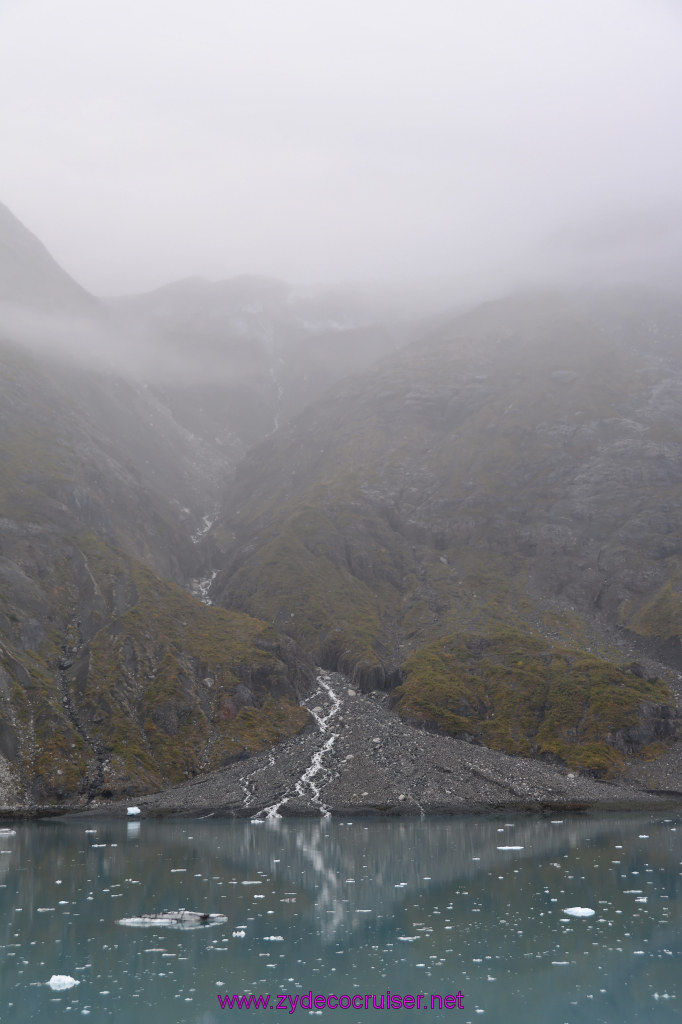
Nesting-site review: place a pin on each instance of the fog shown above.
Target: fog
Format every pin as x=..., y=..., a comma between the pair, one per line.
x=471, y=147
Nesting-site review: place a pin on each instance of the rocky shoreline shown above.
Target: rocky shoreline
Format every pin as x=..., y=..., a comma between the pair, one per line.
x=361, y=758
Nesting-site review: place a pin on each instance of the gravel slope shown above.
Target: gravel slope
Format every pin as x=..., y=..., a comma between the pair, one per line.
x=361, y=758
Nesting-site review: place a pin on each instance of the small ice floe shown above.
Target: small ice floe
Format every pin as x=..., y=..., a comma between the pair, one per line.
x=239, y=934
x=273, y=938
x=7, y=832
x=579, y=911
x=62, y=981
x=132, y=811
x=509, y=847
x=407, y=938
x=174, y=919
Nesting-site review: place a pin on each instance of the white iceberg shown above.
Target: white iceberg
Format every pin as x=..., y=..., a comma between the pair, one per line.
x=133, y=810
x=579, y=911
x=62, y=981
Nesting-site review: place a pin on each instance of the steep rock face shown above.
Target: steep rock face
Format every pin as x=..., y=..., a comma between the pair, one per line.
x=520, y=470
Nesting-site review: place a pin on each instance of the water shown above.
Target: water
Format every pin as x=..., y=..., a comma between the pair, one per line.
x=444, y=906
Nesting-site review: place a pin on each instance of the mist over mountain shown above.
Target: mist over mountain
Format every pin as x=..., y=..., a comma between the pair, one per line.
x=520, y=471
x=209, y=489
x=237, y=358
x=30, y=277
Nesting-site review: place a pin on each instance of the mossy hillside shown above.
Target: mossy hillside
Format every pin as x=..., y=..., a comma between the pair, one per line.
x=164, y=687
x=76, y=452
x=661, y=615
x=491, y=472
x=52, y=757
x=520, y=694
x=36, y=456
x=302, y=584
x=357, y=588
x=137, y=683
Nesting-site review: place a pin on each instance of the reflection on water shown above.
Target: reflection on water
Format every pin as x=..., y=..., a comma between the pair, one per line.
x=475, y=905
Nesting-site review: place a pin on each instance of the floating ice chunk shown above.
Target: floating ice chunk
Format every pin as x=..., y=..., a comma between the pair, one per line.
x=579, y=911
x=238, y=934
x=62, y=981
x=273, y=938
x=132, y=811
x=407, y=938
x=174, y=919
x=7, y=832
x=509, y=847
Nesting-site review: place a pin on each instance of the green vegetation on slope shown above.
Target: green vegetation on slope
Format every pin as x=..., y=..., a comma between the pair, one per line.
x=173, y=686
x=520, y=694
x=162, y=687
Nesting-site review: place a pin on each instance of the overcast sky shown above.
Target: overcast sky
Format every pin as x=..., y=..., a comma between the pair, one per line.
x=314, y=140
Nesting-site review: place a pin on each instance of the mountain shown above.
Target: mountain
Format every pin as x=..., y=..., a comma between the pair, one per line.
x=488, y=525
x=484, y=523
x=113, y=678
x=30, y=277
x=235, y=359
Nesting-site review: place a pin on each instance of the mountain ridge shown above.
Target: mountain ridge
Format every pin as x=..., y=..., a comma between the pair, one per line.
x=484, y=522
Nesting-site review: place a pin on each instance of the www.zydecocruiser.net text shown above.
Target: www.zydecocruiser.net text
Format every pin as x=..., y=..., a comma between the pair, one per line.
x=384, y=1001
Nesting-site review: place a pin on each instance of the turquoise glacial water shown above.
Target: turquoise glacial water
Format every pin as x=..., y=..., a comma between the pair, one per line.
x=471, y=908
